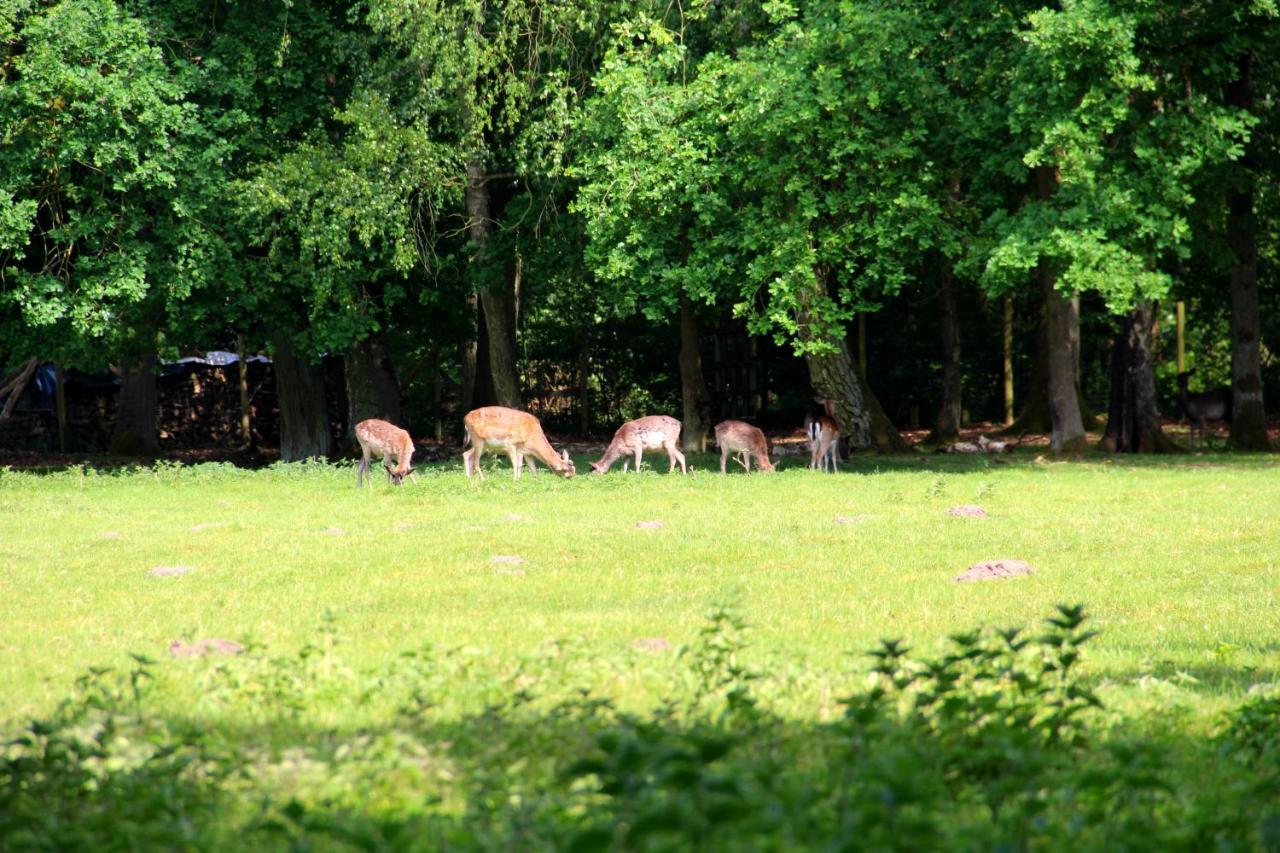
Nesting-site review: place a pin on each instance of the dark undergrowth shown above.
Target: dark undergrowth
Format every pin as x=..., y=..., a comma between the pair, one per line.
x=996, y=744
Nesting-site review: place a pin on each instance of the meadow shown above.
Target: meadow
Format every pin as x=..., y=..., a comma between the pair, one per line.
x=643, y=662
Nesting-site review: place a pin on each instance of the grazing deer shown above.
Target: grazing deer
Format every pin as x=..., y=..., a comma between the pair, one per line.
x=517, y=432
x=1203, y=406
x=823, y=435
x=379, y=438
x=635, y=437
x=743, y=438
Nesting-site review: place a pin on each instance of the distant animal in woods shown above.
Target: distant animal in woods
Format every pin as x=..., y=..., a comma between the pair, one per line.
x=518, y=433
x=1203, y=406
x=744, y=439
x=635, y=437
x=380, y=438
x=823, y=436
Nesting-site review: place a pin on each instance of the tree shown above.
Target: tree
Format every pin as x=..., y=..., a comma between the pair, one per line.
x=94, y=213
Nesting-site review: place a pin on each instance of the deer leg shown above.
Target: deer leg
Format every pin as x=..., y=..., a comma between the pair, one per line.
x=476, y=451
x=745, y=462
x=724, y=457
x=674, y=455
x=639, y=453
x=517, y=460
x=361, y=467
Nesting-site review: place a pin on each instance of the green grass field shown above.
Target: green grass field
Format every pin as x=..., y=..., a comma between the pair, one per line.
x=358, y=606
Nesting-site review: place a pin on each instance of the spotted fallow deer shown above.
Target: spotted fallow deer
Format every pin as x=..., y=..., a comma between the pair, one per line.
x=823, y=436
x=635, y=437
x=743, y=438
x=379, y=438
x=516, y=432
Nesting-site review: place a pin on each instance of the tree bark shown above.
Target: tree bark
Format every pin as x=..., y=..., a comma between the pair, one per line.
x=1062, y=332
x=1067, y=435
x=304, y=414
x=60, y=405
x=1007, y=336
x=1248, y=416
x=497, y=301
x=584, y=383
x=468, y=355
x=947, y=424
x=1133, y=421
x=863, y=423
x=693, y=385
x=372, y=390
x=135, y=432
x=437, y=394
x=246, y=412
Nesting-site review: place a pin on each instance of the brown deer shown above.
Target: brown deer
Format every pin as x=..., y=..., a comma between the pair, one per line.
x=517, y=432
x=635, y=437
x=1201, y=407
x=379, y=438
x=823, y=435
x=743, y=438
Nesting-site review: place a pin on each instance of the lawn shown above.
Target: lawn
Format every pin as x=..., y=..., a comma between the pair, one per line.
x=455, y=613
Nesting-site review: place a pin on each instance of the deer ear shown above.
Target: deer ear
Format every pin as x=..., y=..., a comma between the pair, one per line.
x=564, y=454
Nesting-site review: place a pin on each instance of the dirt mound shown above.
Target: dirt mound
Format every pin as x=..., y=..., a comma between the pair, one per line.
x=996, y=570
x=648, y=525
x=651, y=644
x=968, y=511
x=200, y=648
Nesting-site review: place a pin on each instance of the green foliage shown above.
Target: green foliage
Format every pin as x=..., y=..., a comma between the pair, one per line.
x=984, y=745
x=95, y=143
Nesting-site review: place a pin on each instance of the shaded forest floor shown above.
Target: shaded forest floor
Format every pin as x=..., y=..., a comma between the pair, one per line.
x=789, y=443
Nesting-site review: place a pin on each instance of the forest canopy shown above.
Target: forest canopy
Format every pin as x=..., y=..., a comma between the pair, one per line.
x=597, y=210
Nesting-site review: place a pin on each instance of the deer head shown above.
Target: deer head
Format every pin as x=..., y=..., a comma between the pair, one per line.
x=397, y=477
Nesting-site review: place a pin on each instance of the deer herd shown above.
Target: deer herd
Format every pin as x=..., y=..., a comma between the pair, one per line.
x=519, y=434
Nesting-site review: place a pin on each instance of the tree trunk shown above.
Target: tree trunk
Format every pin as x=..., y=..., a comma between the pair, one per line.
x=1133, y=422
x=1248, y=417
x=947, y=424
x=1062, y=333
x=1007, y=336
x=1036, y=415
x=468, y=355
x=60, y=405
x=496, y=300
x=304, y=415
x=584, y=383
x=135, y=432
x=437, y=394
x=246, y=413
x=372, y=390
x=693, y=385
x=1067, y=434
x=863, y=423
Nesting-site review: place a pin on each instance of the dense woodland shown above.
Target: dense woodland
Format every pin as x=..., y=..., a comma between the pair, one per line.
x=922, y=210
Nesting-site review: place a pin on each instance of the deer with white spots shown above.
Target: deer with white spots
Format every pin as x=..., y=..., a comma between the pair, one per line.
x=742, y=438
x=518, y=433
x=379, y=438
x=823, y=435
x=633, y=438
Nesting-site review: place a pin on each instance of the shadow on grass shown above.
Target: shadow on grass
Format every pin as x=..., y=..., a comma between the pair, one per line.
x=580, y=777
x=997, y=743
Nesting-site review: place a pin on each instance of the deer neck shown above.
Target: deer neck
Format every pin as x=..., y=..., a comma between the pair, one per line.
x=541, y=448
x=610, y=455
